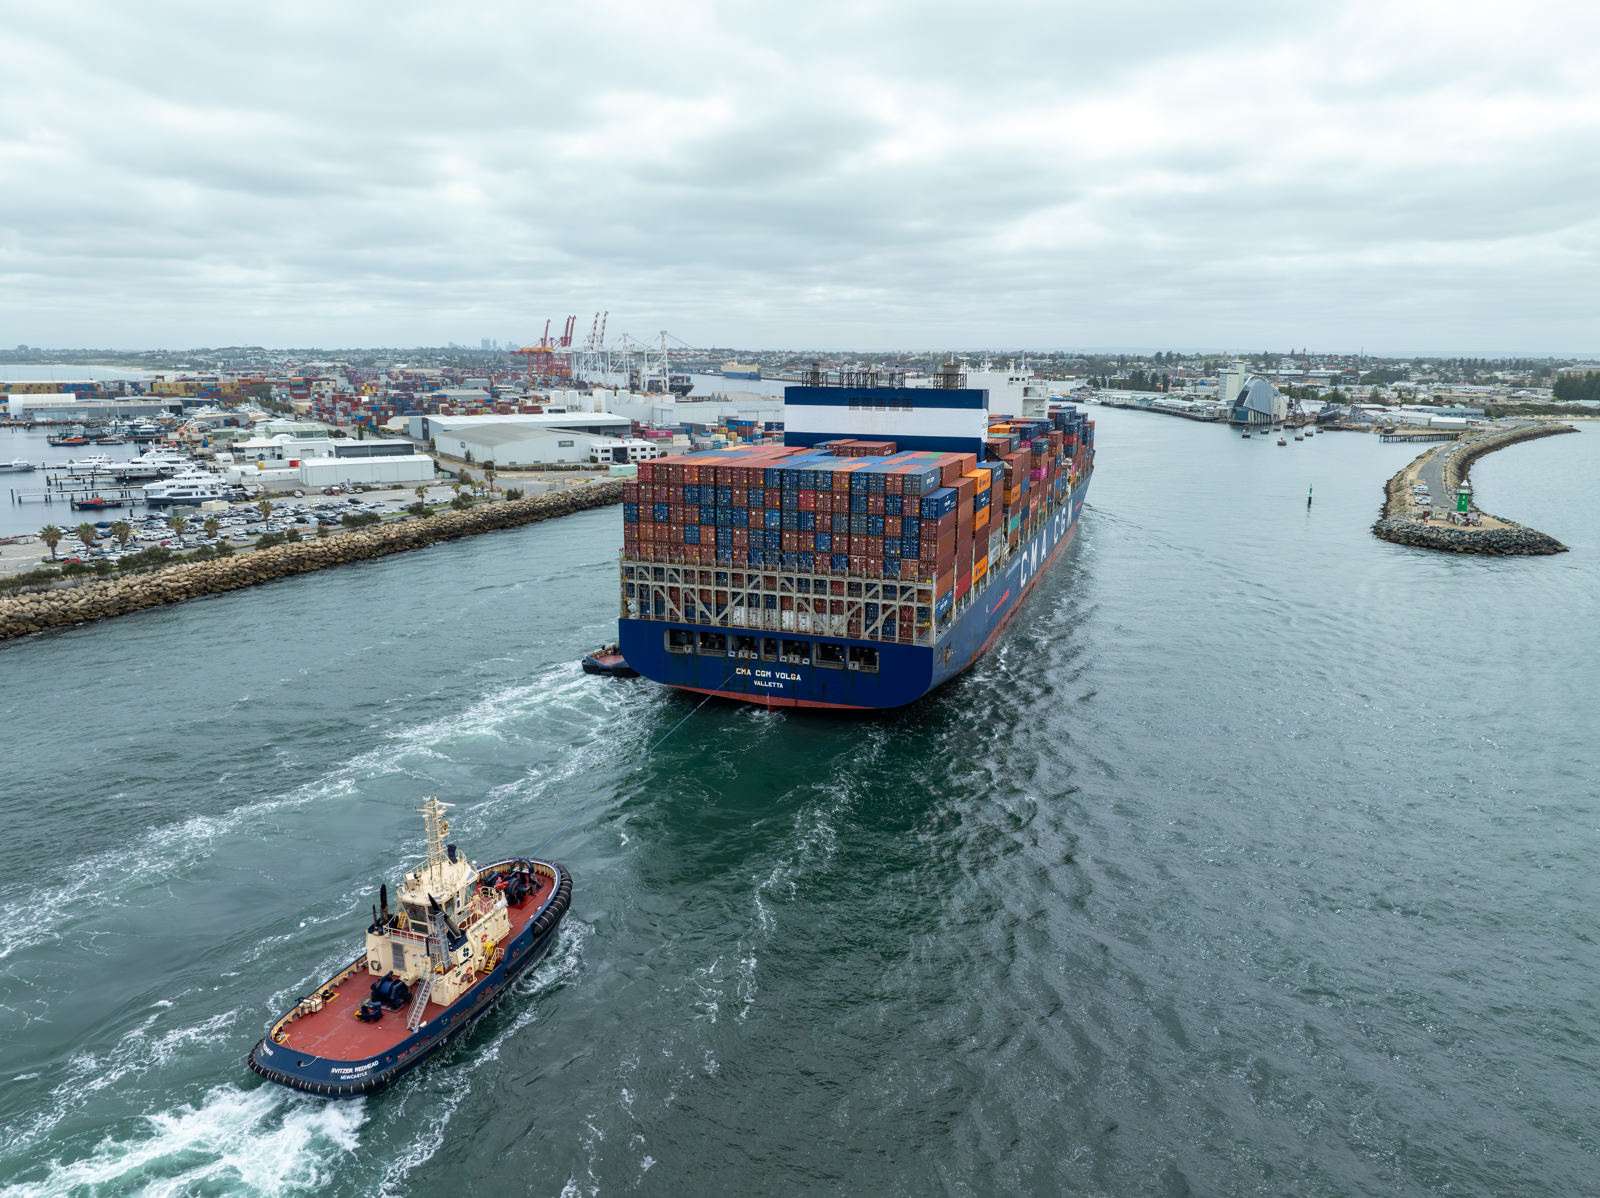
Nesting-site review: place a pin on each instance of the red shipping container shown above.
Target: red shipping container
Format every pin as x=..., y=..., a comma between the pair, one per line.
x=875, y=504
x=808, y=501
x=891, y=526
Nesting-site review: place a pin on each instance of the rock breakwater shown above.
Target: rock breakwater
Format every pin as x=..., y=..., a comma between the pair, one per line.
x=1397, y=523
x=21, y=615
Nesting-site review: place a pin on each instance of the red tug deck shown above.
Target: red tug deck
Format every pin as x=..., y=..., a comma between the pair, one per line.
x=336, y=1034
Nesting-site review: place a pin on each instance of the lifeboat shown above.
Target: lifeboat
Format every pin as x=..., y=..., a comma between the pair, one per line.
x=460, y=936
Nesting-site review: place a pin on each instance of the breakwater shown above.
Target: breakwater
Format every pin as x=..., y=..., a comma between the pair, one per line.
x=1400, y=523
x=65, y=605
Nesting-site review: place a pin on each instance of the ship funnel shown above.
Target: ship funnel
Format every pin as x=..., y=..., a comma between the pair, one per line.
x=450, y=851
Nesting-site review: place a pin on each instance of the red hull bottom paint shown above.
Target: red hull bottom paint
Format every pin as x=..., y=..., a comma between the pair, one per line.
x=1049, y=564
x=742, y=697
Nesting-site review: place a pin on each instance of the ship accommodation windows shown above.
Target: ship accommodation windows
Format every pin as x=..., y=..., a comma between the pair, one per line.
x=746, y=646
x=863, y=659
x=714, y=643
x=679, y=641
x=830, y=656
x=795, y=653
x=769, y=649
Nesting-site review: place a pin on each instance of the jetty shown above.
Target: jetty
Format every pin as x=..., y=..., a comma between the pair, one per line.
x=1448, y=520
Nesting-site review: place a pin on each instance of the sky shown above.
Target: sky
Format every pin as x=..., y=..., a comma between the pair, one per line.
x=1395, y=177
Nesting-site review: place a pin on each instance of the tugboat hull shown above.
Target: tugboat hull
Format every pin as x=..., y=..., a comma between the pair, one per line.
x=279, y=1060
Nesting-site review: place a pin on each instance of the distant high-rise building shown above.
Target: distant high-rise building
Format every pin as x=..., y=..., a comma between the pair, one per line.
x=487, y=344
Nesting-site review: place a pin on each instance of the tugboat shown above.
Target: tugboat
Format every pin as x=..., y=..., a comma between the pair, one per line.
x=459, y=939
x=96, y=503
x=608, y=661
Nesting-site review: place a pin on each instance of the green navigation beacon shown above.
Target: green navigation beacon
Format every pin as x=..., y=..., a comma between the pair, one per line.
x=1464, y=498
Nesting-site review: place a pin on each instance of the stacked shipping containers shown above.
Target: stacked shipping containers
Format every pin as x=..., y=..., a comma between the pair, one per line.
x=851, y=509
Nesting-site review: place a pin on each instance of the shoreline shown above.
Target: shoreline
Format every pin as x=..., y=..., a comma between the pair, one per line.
x=1398, y=524
x=99, y=599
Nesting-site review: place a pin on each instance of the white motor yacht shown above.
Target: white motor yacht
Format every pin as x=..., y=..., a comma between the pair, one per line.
x=97, y=463
x=193, y=488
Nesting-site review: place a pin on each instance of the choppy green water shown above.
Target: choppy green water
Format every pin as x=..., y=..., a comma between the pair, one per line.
x=1258, y=858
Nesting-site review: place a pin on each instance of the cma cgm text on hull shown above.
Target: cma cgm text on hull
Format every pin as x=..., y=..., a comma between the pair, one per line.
x=874, y=555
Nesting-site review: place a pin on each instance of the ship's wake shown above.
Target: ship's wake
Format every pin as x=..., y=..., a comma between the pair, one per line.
x=263, y=1141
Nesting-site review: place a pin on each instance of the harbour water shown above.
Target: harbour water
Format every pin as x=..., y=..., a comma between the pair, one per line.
x=30, y=514
x=1258, y=857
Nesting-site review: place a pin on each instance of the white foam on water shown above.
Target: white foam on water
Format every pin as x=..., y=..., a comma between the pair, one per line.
x=136, y=1053
x=490, y=714
x=34, y=914
x=746, y=985
x=565, y=959
x=262, y=1141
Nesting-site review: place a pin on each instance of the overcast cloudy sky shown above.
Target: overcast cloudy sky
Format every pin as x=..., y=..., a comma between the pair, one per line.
x=1389, y=175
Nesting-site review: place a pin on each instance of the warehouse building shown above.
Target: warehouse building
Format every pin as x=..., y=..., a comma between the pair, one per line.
x=532, y=439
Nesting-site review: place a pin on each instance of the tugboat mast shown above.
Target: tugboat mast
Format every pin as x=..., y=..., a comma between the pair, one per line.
x=438, y=827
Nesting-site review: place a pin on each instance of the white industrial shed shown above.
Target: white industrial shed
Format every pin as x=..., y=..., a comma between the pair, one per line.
x=514, y=445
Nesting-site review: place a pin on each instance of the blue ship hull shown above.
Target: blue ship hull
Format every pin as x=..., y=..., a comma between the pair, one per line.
x=905, y=672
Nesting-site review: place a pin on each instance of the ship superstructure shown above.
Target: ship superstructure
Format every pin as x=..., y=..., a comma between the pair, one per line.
x=873, y=555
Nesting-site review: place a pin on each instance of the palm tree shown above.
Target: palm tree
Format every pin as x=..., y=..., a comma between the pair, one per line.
x=123, y=531
x=422, y=494
x=467, y=480
x=88, y=534
x=178, y=523
x=51, y=536
x=212, y=526
x=265, y=508
x=488, y=475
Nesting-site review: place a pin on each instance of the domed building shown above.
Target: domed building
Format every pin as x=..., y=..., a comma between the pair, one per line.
x=1258, y=402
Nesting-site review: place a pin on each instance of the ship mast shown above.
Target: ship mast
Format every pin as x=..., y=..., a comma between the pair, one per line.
x=438, y=827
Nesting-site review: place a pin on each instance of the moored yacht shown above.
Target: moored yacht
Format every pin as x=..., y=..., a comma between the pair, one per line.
x=194, y=488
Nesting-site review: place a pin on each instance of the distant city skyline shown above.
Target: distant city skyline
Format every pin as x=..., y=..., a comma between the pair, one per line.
x=867, y=177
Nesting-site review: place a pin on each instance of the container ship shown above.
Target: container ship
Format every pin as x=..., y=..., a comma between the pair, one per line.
x=873, y=556
x=740, y=370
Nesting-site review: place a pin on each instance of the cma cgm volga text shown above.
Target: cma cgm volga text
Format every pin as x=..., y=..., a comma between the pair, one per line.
x=874, y=555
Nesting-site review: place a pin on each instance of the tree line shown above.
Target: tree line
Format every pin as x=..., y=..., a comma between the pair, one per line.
x=1577, y=388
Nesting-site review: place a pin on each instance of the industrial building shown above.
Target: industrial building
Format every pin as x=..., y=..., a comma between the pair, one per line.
x=65, y=407
x=534, y=439
x=287, y=462
x=1258, y=402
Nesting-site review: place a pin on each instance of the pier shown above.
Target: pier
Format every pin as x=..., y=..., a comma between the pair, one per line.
x=1420, y=436
x=1405, y=520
